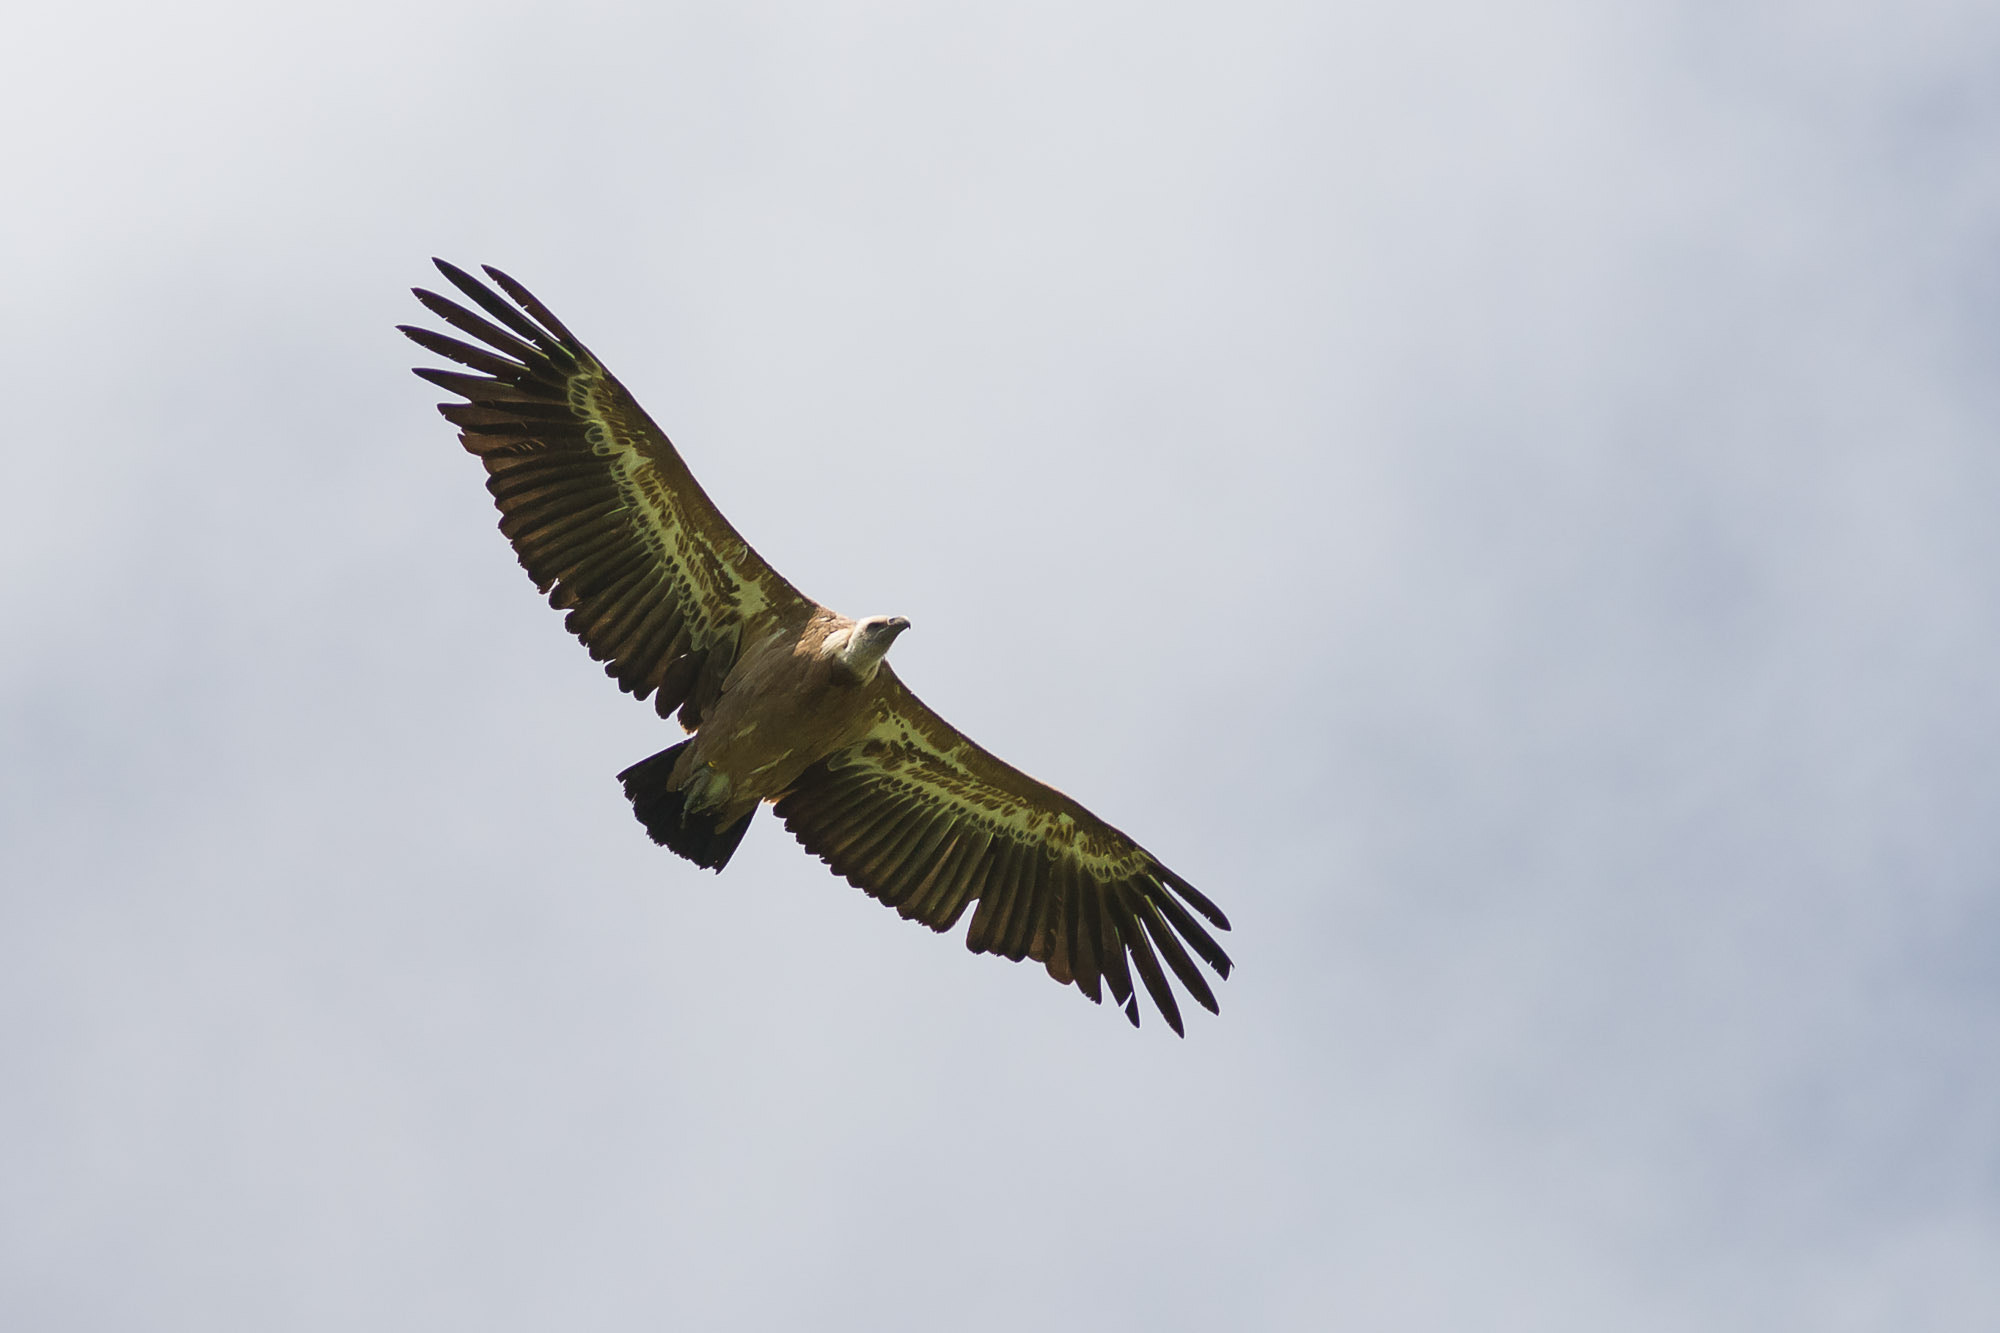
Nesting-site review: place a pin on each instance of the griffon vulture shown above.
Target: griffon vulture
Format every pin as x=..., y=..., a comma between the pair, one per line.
x=788, y=701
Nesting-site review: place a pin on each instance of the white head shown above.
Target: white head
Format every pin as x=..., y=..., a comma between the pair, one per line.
x=866, y=643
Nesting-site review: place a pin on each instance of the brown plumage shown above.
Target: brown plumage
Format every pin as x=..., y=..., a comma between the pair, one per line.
x=788, y=701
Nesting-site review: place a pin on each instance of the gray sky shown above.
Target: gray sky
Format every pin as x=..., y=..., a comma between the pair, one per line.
x=1501, y=497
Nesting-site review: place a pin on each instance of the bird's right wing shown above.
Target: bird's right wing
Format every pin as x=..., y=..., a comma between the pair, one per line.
x=928, y=822
x=602, y=512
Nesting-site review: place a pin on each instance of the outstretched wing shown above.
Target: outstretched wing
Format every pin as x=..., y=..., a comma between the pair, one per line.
x=605, y=516
x=929, y=823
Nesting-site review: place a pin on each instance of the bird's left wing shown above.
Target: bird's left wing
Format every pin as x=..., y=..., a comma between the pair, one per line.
x=605, y=516
x=929, y=823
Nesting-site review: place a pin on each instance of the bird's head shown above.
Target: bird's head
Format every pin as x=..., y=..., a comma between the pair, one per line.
x=868, y=641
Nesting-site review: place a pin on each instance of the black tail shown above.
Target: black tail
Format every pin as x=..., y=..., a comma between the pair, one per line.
x=666, y=817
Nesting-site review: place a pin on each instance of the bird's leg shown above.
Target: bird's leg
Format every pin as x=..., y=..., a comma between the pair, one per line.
x=706, y=789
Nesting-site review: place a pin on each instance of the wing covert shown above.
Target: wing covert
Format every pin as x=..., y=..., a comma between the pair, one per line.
x=598, y=505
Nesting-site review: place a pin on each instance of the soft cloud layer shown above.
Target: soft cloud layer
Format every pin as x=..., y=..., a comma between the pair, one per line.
x=1501, y=499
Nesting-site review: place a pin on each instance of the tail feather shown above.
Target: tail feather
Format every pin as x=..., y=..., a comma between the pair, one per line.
x=664, y=812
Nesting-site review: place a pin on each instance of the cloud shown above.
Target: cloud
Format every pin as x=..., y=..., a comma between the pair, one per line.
x=1499, y=499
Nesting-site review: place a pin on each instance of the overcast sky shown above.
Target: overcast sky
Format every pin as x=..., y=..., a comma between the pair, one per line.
x=1502, y=497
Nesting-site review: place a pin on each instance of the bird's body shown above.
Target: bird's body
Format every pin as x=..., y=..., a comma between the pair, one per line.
x=789, y=702
x=791, y=699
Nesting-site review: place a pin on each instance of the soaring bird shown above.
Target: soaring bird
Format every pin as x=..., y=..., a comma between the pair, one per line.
x=787, y=701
